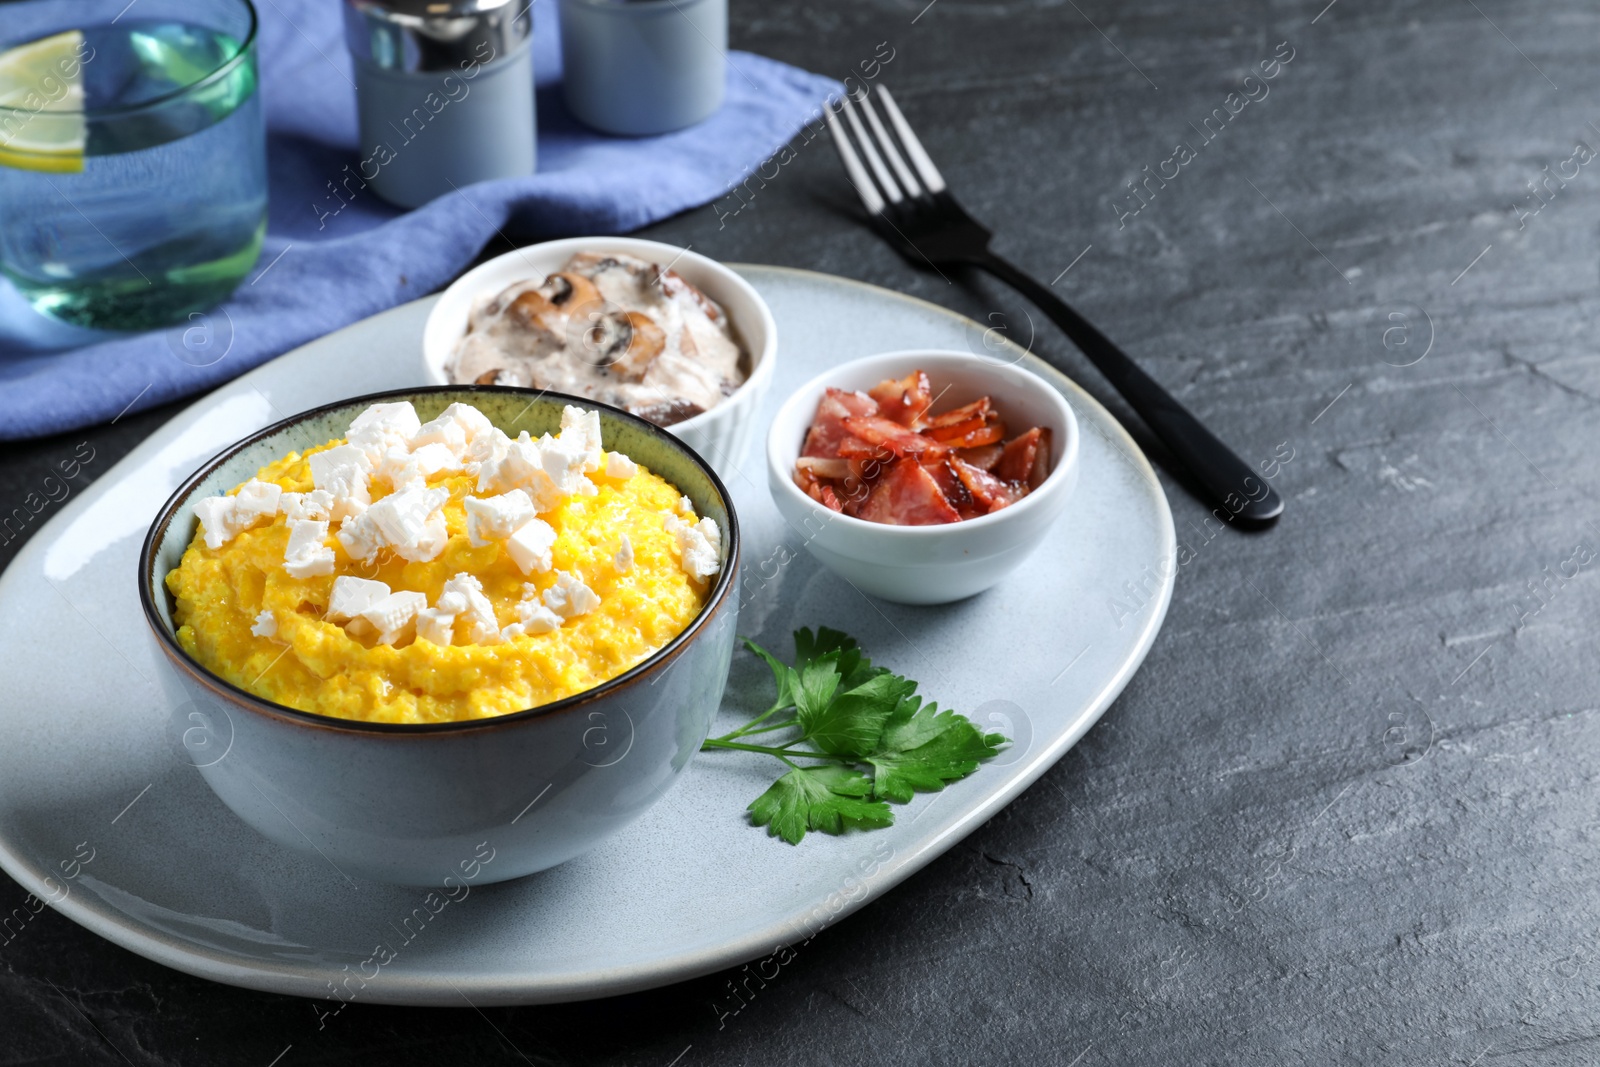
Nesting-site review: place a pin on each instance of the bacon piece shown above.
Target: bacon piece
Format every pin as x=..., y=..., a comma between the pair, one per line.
x=1016, y=462
x=978, y=409
x=875, y=430
x=955, y=489
x=983, y=458
x=824, y=468
x=1041, y=460
x=905, y=400
x=990, y=492
x=830, y=498
x=827, y=428
x=908, y=495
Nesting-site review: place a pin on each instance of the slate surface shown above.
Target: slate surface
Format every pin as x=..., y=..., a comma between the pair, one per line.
x=1346, y=811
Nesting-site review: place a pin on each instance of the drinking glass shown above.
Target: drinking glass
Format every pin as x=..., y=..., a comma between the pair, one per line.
x=133, y=180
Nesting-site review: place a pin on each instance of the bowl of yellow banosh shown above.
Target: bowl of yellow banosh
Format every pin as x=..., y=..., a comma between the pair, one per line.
x=452, y=632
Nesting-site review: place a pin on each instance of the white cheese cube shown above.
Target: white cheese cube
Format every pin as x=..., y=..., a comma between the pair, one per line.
x=400, y=470
x=394, y=615
x=317, y=504
x=686, y=507
x=342, y=473
x=216, y=520
x=408, y=521
x=445, y=432
x=351, y=596
x=255, y=500
x=624, y=556
x=306, y=556
x=435, y=626
x=569, y=597
x=535, y=618
x=265, y=624
x=382, y=427
x=697, y=551
x=565, y=465
x=580, y=430
x=529, y=546
x=495, y=518
x=485, y=448
x=473, y=423
x=360, y=537
x=435, y=458
x=482, y=627
x=620, y=466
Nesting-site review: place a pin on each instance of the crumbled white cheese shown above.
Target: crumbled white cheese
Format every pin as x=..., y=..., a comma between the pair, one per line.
x=519, y=465
x=620, y=466
x=698, y=546
x=569, y=597
x=624, y=556
x=351, y=596
x=360, y=537
x=342, y=472
x=265, y=624
x=686, y=506
x=216, y=520
x=495, y=518
x=401, y=470
x=394, y=615
x=485, y=448
x=529, y=546
x=580, y=432
x=382, y=427
x=477, y=613
x=444, y=431
x=533, y=616
x=433, y=459
x=255, y=500
x=410, y=522
x=306, y=556
x=317, y=504
x=565, y=463
x=435, y=626
x=225, y=517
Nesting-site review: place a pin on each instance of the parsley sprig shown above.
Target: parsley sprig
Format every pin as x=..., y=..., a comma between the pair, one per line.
x=860, y=734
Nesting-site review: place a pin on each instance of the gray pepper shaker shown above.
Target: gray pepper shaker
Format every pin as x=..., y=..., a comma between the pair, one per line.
x=444, y=90
x=643, y=66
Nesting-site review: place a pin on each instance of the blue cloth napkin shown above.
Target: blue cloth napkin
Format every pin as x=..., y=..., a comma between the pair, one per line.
x=328, y=262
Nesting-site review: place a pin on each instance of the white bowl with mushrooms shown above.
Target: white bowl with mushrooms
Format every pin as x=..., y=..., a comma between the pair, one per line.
x=659, y=331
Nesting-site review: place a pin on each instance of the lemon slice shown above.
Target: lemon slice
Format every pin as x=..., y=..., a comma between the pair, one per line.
x=41, y=88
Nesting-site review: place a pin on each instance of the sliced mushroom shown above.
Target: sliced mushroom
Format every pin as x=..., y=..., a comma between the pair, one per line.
x=623, y=343
x=674, y=285
x=488, y=377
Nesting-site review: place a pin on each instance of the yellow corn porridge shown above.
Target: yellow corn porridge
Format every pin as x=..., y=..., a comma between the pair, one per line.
x=619, y=541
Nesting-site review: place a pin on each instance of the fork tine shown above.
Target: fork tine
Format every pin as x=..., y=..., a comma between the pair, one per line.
x=879, y=171
x=919, y=156
x=852, y=166
x=908, y=180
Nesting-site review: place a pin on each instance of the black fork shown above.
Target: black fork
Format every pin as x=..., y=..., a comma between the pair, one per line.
x=912, y=208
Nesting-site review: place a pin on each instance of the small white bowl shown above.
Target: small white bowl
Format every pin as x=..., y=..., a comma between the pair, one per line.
x=722, y=434
x=928, y=564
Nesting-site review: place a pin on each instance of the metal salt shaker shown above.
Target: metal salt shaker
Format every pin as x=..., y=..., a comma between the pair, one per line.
x=638, y=67
x=444, y=89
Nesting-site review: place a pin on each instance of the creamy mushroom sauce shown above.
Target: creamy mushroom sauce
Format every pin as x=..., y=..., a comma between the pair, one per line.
x=611, y=328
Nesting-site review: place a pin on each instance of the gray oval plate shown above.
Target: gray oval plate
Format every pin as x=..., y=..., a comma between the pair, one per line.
x=102, y=814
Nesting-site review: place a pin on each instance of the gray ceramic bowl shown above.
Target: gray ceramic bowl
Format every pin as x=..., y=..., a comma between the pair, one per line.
x=420, y=804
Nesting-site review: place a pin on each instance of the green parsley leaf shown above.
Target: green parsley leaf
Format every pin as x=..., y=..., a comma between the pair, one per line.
x=815, y=685
x=854, y=666
x=854, y=716
x=831, y=799
x=923, y=751
x=782, y=673
x=852, y=723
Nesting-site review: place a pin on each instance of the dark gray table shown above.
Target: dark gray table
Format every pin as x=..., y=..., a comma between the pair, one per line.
x=1347, y=812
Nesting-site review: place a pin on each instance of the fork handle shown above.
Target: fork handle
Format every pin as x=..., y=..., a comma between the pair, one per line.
x=1227, y=478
